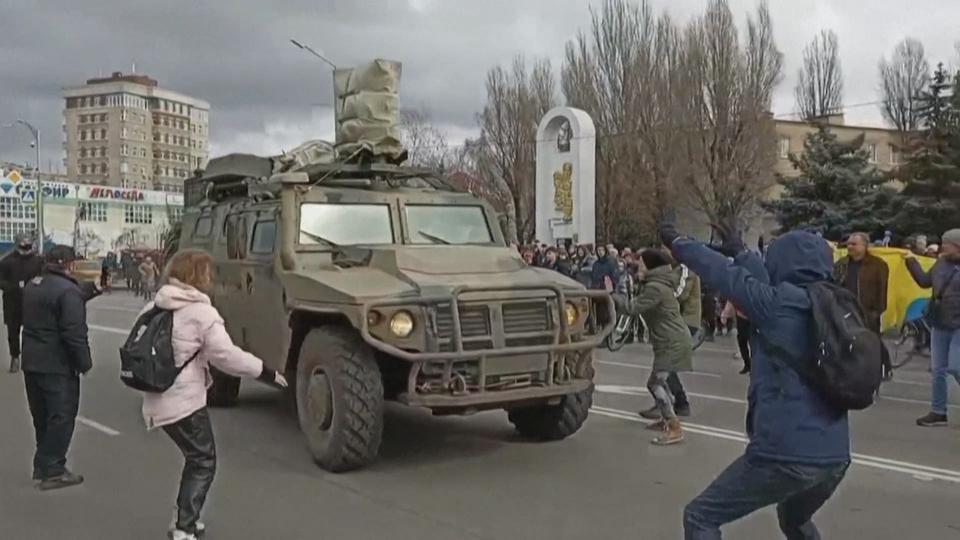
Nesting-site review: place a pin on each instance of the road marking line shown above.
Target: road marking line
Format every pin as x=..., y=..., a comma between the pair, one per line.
x=97, y=426
x=109, y=329
x=641, y=366
x=116, y=308
x=640, y=391
x=918, y=471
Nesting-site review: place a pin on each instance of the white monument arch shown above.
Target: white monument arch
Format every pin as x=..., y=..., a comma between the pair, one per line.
x=566, y=177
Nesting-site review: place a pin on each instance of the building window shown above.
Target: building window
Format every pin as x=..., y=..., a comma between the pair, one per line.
x=894, y=155
x=103, y=134
x=124, y=168
x=871, y=149
x=133, y=213
x=83, y=152
x=93, y=211
x=83, y=169
x=12, y=208
x=784, y=147
x=10, y=229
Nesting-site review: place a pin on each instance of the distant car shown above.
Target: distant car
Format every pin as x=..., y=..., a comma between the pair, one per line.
x=87, y=270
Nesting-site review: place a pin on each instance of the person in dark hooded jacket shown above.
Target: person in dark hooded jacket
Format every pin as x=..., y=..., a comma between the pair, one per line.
x=604, y=269
x=16, y=270
x=799, y=445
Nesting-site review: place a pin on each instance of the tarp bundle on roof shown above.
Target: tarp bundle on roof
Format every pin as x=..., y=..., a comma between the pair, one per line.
x=368, y=110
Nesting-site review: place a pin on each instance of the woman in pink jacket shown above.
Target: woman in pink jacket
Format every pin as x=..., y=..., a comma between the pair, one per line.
x=181, y=411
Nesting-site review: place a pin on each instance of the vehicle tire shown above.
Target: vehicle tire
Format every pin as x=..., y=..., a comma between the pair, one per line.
x=553, y=422
x=339, y=399
x=224, y=390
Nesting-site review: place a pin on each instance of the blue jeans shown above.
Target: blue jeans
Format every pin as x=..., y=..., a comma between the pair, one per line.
x=749, y=484
x=944, y=360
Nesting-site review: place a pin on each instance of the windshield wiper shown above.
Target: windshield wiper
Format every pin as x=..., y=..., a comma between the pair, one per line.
x=434, y=239
x=318, y=238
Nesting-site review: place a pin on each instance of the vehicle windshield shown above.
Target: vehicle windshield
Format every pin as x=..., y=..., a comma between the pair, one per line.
x=440, y=224
x=345, y=224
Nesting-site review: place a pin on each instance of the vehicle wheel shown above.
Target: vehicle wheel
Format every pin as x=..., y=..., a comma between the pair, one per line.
x=224, y=390
x=553, y=422
x=339, y=399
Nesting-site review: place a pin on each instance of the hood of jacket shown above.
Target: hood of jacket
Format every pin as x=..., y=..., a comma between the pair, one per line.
x=175, y=295
x=664, y=275
x=799, y=258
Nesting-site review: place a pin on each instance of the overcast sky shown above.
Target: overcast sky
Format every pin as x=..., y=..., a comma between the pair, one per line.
x=266, y=95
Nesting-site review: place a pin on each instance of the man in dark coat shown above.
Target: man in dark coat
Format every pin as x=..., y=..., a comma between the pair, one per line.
x=55, y=353
x=866, y=276
x=799, y=445
x=16, y=269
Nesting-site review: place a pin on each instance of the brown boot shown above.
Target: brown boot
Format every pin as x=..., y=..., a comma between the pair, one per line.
x=659, y=425
x=672, y=434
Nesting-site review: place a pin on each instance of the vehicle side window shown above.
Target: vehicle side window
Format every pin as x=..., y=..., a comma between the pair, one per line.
x=236, y=237
x=264, y=237
x=203, y=226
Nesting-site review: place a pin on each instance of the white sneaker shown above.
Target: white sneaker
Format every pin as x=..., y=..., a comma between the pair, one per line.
x=177, y=534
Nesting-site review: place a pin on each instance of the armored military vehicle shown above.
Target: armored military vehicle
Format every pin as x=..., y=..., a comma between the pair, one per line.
x=367, y=281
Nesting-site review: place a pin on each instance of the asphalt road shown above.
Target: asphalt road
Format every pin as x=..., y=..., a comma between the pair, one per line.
x=463, y=478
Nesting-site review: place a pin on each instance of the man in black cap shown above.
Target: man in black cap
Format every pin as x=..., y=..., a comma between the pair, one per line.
x=16, y=269
x=55, y=353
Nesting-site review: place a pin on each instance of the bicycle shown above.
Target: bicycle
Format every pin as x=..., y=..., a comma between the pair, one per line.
x=914, y=336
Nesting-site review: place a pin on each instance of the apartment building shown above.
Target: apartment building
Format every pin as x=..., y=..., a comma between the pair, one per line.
x=126, y=131
x=880, y=143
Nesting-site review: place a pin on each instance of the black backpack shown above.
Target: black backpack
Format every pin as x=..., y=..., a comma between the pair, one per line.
x=146, y=358
x=846, y=368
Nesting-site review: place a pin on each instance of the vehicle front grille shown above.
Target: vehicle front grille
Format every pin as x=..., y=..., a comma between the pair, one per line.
x=519, y=320
x=522, y=317
x=474, y=321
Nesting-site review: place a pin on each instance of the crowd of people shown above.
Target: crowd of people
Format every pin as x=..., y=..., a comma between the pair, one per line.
x=799, y=442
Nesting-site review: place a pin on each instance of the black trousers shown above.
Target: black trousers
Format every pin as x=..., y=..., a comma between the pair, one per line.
x=13, y=337
x=743, y=340
x=194, y=437
x=54, y=401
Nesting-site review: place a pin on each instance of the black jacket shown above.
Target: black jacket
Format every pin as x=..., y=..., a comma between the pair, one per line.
x=944, y=278
x=14, y=270
x=55, y=325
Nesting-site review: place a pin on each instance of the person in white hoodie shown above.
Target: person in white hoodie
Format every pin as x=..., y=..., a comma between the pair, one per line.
x=181, y=411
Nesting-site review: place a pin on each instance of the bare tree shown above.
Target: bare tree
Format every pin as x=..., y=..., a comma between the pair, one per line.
x=516, y=101
x=902, y=79
x=425, y=144
x=819, y=90
x=730, y=149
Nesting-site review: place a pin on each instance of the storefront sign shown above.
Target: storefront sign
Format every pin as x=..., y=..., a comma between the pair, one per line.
x=117, y=194
x=51, y=190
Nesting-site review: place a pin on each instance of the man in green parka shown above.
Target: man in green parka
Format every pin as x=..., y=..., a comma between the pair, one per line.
x=672, y=347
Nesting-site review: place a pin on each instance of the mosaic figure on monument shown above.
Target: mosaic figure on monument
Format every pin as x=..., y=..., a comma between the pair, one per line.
x=566, y=177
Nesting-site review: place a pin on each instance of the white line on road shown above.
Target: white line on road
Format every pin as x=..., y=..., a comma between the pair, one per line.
x=640, y=391
x=919, y=471
x=116, y=308
x=97, y=426
x=641, y=366
x=109, y=329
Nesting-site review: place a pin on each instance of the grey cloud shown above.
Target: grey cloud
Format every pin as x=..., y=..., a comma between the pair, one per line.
x=263, y=91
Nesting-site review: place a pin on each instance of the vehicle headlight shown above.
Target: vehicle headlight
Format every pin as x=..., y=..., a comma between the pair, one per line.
x=401, y=324
x=571, y=312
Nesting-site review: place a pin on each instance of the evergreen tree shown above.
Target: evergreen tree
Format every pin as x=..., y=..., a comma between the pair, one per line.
x=930, y=200
x=838, y=190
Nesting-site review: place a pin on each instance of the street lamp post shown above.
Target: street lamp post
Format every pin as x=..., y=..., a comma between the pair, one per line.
x=310, y=50
x=38, y=193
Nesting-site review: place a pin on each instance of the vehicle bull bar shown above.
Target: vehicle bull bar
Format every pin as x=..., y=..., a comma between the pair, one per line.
x=561, y=336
